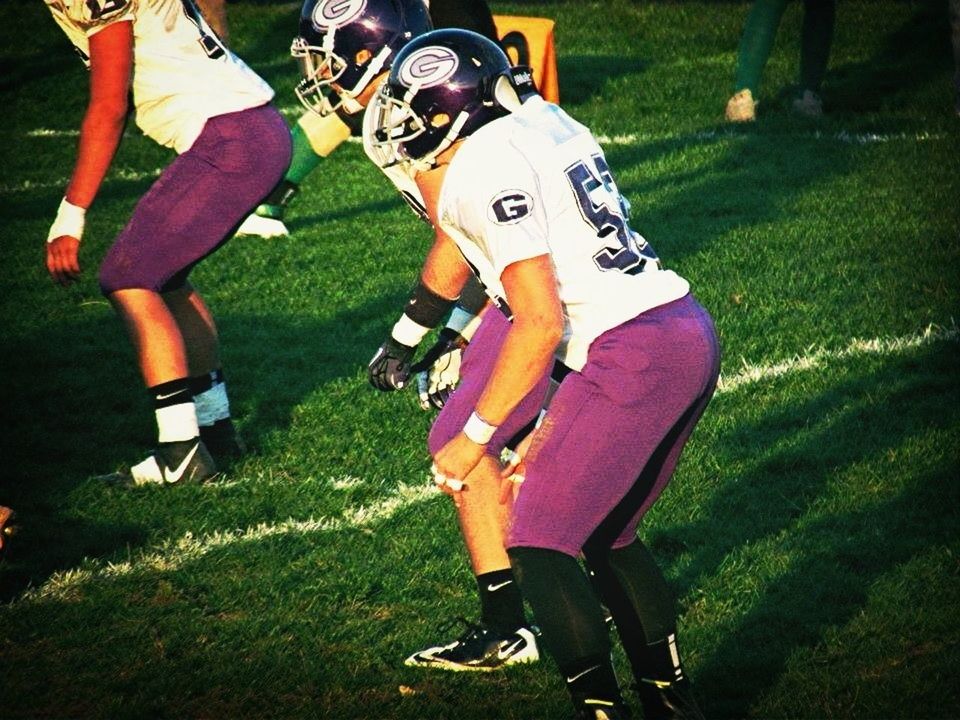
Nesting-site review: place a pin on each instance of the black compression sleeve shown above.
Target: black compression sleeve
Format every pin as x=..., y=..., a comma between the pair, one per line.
x=425, y=307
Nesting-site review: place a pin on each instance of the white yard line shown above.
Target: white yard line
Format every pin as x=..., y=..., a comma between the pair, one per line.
x=294, y=111
x=732, y=134
x=818, y=356
x=173, y=554
x=61, y=183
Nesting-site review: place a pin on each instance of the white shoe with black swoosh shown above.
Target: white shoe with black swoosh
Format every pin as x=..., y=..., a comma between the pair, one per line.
x=173, y=463
x=480, y=648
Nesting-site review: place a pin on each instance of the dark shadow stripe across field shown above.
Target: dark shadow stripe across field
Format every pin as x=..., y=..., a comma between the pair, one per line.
x=784, y=458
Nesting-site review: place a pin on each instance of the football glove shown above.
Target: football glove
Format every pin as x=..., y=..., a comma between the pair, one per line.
x=389, y=369
x=441, y=369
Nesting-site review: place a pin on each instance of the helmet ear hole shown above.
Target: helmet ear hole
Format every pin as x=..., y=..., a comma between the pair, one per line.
x=439, y=120
x=363, y=56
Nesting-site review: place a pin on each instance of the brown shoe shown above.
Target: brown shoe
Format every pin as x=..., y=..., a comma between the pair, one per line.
x=741, y=107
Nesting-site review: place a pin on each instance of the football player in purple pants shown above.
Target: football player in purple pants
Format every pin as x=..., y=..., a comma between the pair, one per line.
x=344, y=50
x=195, y=96
x=521, y=195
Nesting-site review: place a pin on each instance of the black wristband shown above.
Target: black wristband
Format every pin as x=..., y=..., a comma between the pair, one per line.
x=426, y=308
x=453, y=338
x=473, y=297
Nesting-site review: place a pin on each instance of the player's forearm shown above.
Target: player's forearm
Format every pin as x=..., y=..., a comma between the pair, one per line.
x=528, y=349
x=111, y=69
x=525, y=356
x=100, y=135
x=444, y=271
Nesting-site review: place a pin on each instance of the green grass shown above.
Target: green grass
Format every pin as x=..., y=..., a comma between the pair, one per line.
x=811, y=533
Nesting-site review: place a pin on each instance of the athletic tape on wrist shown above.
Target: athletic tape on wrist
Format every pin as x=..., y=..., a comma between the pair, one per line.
x=69, y=221
x=478, y=429
x=407, y=332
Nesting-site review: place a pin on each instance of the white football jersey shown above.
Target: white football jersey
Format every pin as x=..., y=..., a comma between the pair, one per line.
x=536, y=182
x=182, y=74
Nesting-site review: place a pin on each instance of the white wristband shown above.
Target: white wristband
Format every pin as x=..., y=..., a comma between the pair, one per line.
x=407, y=332
x=478, y=429
x=69, y=221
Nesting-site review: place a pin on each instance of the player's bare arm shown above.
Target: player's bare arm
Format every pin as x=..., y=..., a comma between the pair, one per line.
x=111, y=62
x=525, y=356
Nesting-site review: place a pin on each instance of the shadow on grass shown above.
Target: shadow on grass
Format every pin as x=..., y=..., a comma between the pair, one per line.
x=583, y=77
x=913, y=55
x=302, y=624
x=840, y=556
x=745, y=186
x=78, y=410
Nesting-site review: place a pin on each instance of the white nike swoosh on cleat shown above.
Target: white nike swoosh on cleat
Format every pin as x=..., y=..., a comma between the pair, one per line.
x=494, y=588
x=503, y=654
x=177, y=474
x=168, y=395
x=581, y=674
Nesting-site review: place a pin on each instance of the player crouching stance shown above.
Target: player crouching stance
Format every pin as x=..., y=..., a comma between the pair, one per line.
x=521, y=193
x=194, y=95
x=344, y=51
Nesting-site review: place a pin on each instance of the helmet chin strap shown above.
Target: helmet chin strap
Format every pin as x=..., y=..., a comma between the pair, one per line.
x=453, y=134
x=505, y=94
x=373, y=70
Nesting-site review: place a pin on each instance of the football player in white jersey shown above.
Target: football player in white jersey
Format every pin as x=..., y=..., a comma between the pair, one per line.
x=193, y=95
x=344, y=50
x=315, y=136
x=521, y=195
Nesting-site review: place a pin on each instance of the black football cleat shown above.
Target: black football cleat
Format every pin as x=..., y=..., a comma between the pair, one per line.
x=668, y=700
x=480, y=648
x=173, y=463
x=223, y=441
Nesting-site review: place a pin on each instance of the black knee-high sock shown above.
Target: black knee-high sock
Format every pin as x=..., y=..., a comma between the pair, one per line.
x=756, y=42
x=500, y=601
x=642, y=582
x=625, y=618
x=652, y=663
x=817, y=37
x=570, y=620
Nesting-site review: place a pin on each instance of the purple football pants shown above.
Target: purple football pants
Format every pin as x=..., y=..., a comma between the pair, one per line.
x=614, y=431
x=478, y=361
x=198, y=200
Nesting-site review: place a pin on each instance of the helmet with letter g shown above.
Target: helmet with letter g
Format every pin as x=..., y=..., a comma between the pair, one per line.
x=443, y=86
x=344, y=45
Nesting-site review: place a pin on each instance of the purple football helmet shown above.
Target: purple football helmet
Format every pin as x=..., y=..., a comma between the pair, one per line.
x=443, y=85
x=344, y=45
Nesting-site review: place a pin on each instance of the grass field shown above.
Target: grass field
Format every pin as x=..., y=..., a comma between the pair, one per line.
x=811, y=532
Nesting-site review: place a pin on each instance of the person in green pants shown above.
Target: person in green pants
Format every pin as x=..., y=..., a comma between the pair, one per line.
x=755, y=47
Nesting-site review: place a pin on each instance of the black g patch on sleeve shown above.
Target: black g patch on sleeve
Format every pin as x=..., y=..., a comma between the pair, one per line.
x=510, y=206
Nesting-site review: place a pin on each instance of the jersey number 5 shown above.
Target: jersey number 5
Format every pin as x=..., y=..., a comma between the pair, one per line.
x=599, y=203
